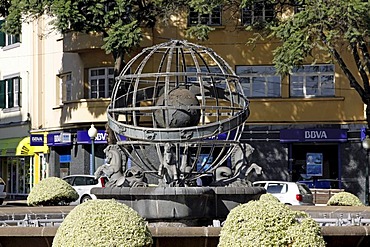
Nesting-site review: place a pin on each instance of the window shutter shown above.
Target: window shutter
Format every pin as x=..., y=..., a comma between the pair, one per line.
x=17, y=38
x=2, y=34
x=10, y=93
x=2, y=93
x=19, y=92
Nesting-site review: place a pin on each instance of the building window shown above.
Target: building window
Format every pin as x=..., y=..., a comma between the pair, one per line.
x=8, y=39
x=211, y=19
x=10, y=93
x=101, y=82
x=259, y=81
x=212, y=70
x=312, y=81
x=258, y=12
x=69, y=83
x=12, y=39
x=65, y=87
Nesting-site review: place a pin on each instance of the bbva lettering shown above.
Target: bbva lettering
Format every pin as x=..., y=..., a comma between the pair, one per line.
x=101, y=136
x=37, y=139
x=57, y=138
x=315, y=134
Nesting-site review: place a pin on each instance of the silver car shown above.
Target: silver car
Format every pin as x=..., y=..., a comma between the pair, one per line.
x=289, y=193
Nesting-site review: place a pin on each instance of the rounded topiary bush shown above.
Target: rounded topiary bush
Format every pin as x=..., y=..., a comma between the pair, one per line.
x=103, y=223
x=344, y=199
x=268, y=222
x=52, y=191
x=268, y=197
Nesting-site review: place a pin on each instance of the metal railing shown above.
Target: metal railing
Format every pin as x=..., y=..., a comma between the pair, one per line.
x=32, y=220
x=343, y=220
x=55, y=219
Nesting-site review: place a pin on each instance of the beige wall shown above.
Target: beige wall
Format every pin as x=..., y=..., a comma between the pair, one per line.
x=230, y=42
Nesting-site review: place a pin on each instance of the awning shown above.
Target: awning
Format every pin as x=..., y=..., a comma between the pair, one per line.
x=8, y=146
x=24, y=148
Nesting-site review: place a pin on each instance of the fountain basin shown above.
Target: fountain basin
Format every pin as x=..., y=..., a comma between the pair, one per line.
x=181, y=203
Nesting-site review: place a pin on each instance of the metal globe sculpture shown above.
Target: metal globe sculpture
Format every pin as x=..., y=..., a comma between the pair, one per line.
x=181, y=109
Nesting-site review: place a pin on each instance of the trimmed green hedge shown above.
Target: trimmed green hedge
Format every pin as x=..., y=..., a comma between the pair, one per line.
x=344, y=199
x=52, y=191
x=103, y=223
x=268, y=222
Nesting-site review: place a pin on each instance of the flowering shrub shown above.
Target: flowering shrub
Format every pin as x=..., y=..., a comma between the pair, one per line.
x=344, y=199
x=52, y=191
x=103, y=223
x=268, y=222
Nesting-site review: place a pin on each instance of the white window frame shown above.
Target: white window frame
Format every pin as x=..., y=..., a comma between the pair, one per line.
x=15, y=92
x=212, y=19
x=251, y=16
x=11, y=41
x=106, y=80
x=265, y=76
x=65, y=87
x=8, y=41
x=303, y=81
x=204, y=69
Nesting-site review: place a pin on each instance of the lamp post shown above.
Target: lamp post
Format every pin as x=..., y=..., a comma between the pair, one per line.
x=366, y=146
x=92, y=132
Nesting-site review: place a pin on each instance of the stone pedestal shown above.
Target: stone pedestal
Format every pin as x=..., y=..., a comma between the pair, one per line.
x=181, y=204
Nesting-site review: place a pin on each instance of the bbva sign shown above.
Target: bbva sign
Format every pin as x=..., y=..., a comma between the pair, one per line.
x=315, y=134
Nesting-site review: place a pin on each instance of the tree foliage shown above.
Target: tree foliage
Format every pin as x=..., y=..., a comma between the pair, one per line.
x=120, y=22
x=304, y=27
x=339, y=28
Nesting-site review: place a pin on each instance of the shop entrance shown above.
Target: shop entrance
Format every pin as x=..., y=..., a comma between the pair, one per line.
x=317, y=165
x=17, y=170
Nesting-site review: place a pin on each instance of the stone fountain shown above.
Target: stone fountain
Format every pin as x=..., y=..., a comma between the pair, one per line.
x=175, y=119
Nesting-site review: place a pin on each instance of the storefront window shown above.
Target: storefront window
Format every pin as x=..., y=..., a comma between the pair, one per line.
x=17, y=170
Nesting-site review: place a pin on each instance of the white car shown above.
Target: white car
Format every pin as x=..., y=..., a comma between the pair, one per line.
x=289, y=193
x=83, y=184
x=2, y=191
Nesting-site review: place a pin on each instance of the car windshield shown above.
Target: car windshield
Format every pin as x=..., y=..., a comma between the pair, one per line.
x=85, y=181
x=274, y=188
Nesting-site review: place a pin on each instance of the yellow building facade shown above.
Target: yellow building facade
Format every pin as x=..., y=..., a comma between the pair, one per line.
x=312, y=113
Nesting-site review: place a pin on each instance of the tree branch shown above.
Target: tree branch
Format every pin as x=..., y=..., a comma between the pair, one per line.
x=365, y=52
x=360, y=67
x=352, y=80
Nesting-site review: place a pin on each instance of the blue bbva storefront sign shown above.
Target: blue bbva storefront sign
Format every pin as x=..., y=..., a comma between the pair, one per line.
x=101, y=137
x=313, y=135
x=59, y=139
x=83, y=137
x=37, y=140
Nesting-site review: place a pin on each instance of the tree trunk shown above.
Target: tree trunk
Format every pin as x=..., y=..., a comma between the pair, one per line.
x=119, y=63
x=368, y=118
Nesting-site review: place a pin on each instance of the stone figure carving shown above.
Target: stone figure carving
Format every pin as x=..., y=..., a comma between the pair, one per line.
x=117, y=172
x=135, y=177
x=111, y=138
x=239, y=172
x=115, y=167
x=168, y=169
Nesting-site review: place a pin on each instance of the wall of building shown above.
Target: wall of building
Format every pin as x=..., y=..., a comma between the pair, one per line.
x=54, y=57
